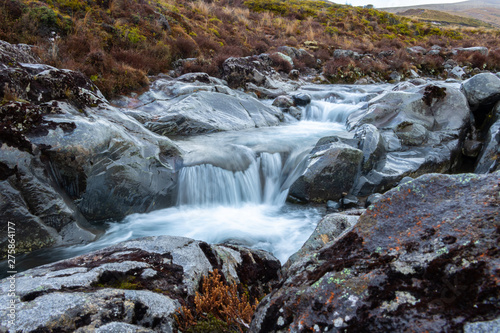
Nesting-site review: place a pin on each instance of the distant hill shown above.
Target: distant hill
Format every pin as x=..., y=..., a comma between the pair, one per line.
x=444, y=18
x=485, y=10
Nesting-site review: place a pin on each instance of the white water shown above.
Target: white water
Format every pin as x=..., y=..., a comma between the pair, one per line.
x=233, y=185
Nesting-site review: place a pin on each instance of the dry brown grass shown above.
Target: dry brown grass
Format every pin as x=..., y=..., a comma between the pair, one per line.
x=218, y=300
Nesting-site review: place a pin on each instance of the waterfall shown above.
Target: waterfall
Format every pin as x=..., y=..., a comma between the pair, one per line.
x=326, y=111
x=208, y=185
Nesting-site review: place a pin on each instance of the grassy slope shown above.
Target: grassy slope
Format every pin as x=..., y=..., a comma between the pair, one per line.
x=429, y=15
x=117, y=43
x=486, y=11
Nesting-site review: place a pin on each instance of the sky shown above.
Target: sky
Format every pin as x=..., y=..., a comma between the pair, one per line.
x=391, y=3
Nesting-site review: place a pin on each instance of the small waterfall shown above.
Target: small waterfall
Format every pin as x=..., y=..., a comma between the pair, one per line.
x=328, y=112
x=207, y=185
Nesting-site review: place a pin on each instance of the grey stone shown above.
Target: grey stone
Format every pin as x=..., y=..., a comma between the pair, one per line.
x=489, y=158
x=457, y=72
x=373, y=198
x=205, y=112
x=492, y=326
x=331, y=171
x=329, y=229
x=482, y=89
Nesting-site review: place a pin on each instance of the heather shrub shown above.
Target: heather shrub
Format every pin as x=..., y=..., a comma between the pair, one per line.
x=280, y=64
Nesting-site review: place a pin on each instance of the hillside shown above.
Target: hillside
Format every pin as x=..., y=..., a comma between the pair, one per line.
x=443, y=18
x=484, y=10
x=119, y=43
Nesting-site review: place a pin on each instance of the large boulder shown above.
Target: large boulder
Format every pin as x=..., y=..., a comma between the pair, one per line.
x=482, y=89
x=69, y=157
x=425, y=257
x=197, y=103
x=205, y=112
x=331, y=171
x=409, y=133
x=137, y=284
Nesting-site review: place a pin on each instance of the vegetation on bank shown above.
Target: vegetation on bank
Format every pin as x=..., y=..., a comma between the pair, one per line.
x=218, y=307
x=118, y=43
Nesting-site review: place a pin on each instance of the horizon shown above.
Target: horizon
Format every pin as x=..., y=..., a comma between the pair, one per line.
x=393, y=3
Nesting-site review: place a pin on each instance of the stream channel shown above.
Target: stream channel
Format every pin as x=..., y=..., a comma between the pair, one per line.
x=234, y=185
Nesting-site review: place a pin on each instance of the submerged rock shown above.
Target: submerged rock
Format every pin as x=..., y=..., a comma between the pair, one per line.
x=425, y=256
x=135, y=285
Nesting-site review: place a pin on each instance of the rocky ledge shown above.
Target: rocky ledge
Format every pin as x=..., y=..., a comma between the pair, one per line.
x=135, y=286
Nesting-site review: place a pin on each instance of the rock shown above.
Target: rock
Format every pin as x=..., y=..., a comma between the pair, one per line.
x=413, y=74
x=331, y=171
x=416, y=50
x=411, y=134
x=283, y=101
x=472, y=148
x=489, y=158
x=205, y=112
x=295, y=112
x=372, y=199
x=349, y=201
x=301, y=99
x=479, y=49
x=482, y=90
x=346, y=54
x=395, y=77
x=425, y=256
x=433, y=106
x=329, y=229
x=405, y=180
x=114, y=288
x=371, y=144
x=294, y=74
x=332, y=206
x=294, y=53
x=434, y=52
x=483, y=326
x=285, y=57
x=69, y=157
x=311, y=45
x=457, y=72
x=255, y=69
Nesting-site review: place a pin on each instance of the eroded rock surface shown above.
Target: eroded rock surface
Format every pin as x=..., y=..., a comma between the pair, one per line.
x=425, y=256
x=135, y=285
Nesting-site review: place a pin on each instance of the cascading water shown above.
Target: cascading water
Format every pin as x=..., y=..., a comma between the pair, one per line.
x=233, y=185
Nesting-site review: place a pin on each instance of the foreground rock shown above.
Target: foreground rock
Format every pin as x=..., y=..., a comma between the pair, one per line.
x=425, y=256
x=134, y=285
x=68, y=157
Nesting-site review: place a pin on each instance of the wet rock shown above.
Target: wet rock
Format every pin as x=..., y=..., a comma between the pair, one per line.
x=481, y=90
x=116, y=285
x=205, y=112
x=371, y=144
x=331, y=171
x=301, y=99
x=489, y=158
x=283, y=101
x=472, y=148
x=425, y=256
x=412, y=134
x=349, y=201
x=294, y=74
x=329, y=229
x=69, y=157
x=372, y=199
